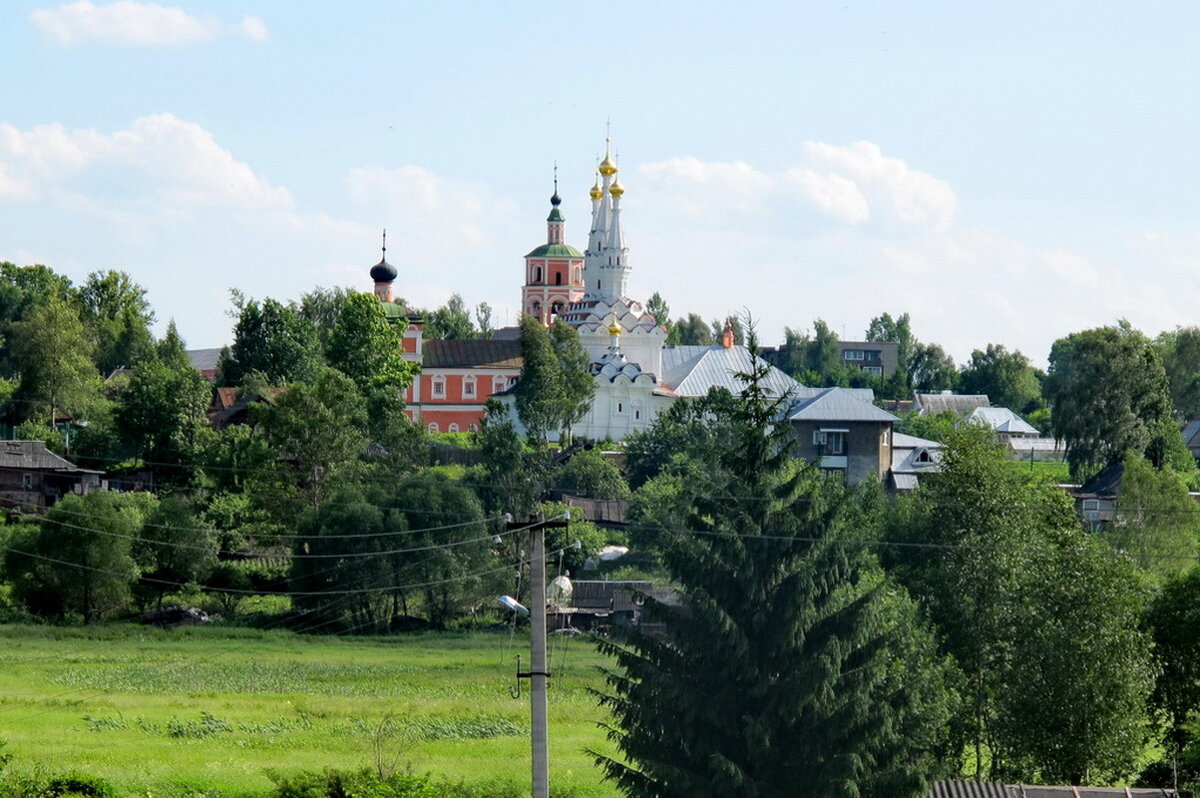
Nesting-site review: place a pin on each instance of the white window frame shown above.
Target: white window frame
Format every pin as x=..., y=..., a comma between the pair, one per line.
x=469, y=387
x=438, y=389
x=827, y=438
x=876, y=370
x=854, y=354
x=499, y=384
x=452, y=428
x=433, y=426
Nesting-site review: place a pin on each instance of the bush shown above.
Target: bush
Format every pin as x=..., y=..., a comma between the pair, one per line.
x=351, y=784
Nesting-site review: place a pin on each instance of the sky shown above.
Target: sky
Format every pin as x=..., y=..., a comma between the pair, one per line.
x=1004, y=172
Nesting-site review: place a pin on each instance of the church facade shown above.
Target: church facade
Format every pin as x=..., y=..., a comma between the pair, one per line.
x=636, y=375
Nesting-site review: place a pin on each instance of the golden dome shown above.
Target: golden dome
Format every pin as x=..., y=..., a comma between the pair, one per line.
x=596, y=192
x=616, y=189
x=613, y=327
x=608, y=166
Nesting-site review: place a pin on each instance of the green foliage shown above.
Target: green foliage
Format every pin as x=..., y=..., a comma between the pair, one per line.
x=321, y=308
x=688, y=427
x=162, y=414
x=316, y=433
x=1109, y=395
x=931, y=426
x=931, y=370
x=690, y=331
x=555, y=386
x=1006, y=378
x=451, y=321
x=1026, y=604
x=1157, y=524
x=176, y=548
x=796, y=662
x=356, y=784
x=512, y=475
x=1173, y=617
x=51, y=351
x=657, y=307
x=80, y=558
x=21, y=289
x=898, y=330
x=115, y=311
x=37, y=431
x=1180, y=353
x=368, y=349
x=272, y=339
x=590, y=474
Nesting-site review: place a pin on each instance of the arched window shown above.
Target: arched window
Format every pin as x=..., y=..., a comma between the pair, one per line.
x=452, y=428
x=433, y=427
x=558, y=278
x=578, y=277
x=537, y=310
x=556, y=308
x=537, y=274
x=469, y=387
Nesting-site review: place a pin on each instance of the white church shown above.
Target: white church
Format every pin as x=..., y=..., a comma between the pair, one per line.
x=637, y=375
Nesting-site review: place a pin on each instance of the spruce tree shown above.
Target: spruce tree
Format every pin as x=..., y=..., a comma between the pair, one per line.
x=793, y=667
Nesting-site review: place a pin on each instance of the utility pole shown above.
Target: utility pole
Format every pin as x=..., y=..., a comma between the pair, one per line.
x=538, y=675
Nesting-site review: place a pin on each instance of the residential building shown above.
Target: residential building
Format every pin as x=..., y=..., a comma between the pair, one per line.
x=839, y=432
x=1006, y=423
x=912, y=458
x=33, y=478
x=880, y=358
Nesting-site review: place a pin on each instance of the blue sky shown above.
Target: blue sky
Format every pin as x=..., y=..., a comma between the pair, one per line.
x=1004, y=172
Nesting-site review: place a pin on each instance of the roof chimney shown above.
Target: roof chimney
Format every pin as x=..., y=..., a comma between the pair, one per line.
x=727, y=335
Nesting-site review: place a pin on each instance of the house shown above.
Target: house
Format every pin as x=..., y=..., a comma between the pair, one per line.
x=838, y=431
x=912, y=458
x=1191, y=437
x=456, y=379
x=588, y=603
x=1096, y=499
x=930, y=404
x=1006, y=423
x=880, y=358
x=33, y=478
x=976, y=789
x=205, y=361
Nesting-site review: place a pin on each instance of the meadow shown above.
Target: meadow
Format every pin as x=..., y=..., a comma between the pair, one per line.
x=211, y=711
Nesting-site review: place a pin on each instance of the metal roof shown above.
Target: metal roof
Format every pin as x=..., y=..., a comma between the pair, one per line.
x=961, y=403
x=838, y=404
x=1002, y=419
x=472, y=354
x=693, y=370
x=555, y=251
x=204, y=359
x=34, y=456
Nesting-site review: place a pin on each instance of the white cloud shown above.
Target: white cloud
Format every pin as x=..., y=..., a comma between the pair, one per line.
x=136, y=23
x=167, y=162
x=833, y=194
x=253, y=28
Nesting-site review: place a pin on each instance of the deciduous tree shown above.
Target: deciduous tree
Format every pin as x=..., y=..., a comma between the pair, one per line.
x=1006, y=378
x=52, y=352
x=271, y=339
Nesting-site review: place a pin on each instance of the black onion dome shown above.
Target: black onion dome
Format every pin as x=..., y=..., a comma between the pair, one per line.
x=383, y=272
x=556, y=200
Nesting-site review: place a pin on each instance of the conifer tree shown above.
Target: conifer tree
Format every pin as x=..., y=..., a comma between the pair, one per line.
x=795, y=667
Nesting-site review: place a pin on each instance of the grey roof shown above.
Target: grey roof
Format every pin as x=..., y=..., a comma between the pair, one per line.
x=902, y=441
x=204, y=359
x=1190, y=432
x=961, y=403
x=912, y=456
x=838, y=404
x=905, y=481
x=488, y=354
x=976, y=789
x=1002, y=419
x=692, y=370
x=34, y=456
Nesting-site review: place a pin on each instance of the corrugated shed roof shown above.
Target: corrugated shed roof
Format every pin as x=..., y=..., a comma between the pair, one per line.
x=693, y=370
x=34, y=456
x=838, y=404
x=957, y=788
x=472, y=354
x=975, y=789
x=1002, y=419
x=961, y=403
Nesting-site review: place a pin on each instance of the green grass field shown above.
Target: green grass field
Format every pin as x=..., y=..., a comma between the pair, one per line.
x=199, y=710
